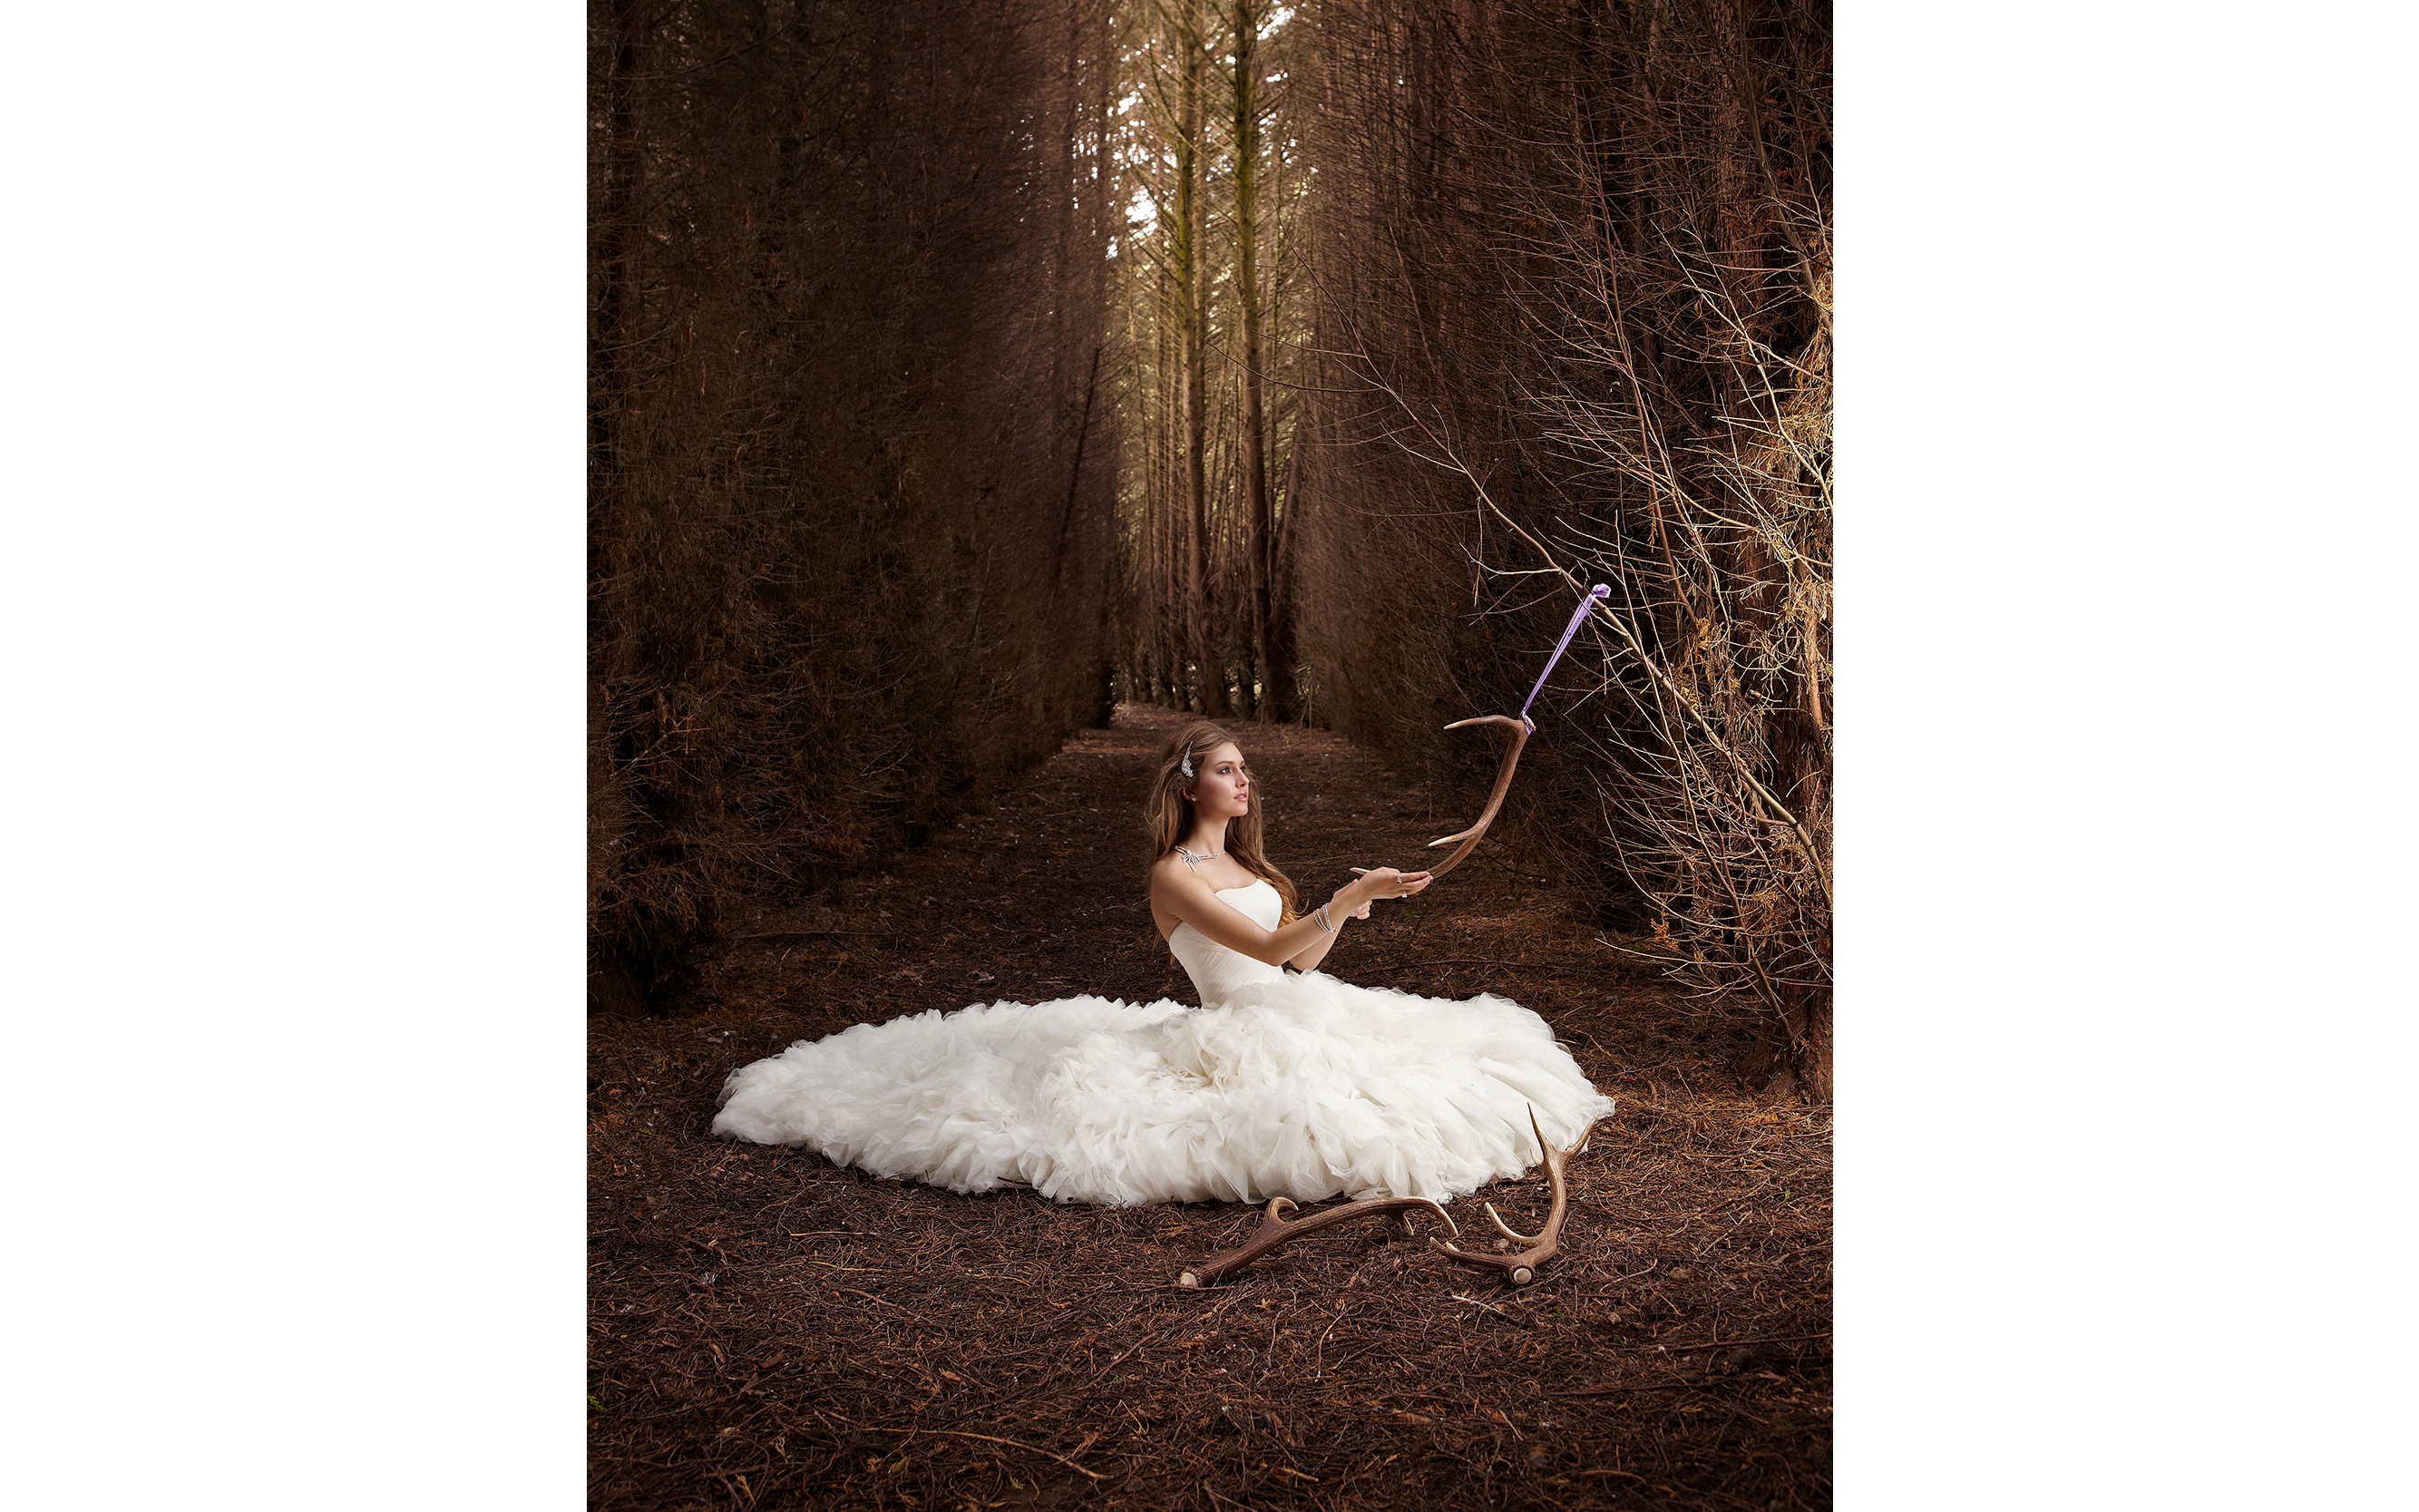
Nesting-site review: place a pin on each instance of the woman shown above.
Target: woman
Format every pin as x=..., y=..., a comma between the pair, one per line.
x=1301, y=1086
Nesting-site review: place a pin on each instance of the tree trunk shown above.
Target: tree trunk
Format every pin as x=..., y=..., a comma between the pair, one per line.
x=1283, y=702
x=1259, y=516
x=1208, y=676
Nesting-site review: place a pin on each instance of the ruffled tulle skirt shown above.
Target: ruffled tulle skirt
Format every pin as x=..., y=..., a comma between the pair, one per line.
x=1306, y=1087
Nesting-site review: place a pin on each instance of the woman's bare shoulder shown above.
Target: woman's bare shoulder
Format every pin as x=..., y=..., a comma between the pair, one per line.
x=1171, y=878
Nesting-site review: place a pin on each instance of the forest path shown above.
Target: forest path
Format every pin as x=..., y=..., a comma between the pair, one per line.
x=767, y=1329
x=1041, y=894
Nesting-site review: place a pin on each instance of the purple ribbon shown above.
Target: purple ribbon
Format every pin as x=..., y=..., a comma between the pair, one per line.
x=1599, y=590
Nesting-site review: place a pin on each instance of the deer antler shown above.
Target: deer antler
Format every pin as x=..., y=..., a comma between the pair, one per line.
x=1520, y=1267
x=1469, y=838
x=1274, y=1231
x=1522, y=729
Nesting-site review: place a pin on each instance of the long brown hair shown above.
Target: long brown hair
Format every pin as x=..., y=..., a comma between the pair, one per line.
x=1168, y=813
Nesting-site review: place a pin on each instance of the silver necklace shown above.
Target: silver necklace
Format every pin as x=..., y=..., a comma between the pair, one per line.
x=1192, y=859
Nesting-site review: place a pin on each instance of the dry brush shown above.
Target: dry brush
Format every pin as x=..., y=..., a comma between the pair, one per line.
x=1574, y=273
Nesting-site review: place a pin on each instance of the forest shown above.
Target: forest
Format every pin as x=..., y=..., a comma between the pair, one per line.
x=977, y=387
x=565, y=557
x=962, y=369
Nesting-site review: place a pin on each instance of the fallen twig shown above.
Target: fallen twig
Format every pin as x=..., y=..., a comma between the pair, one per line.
x=1489, y=1306
x=1725, y=1344
x=1029, y=1448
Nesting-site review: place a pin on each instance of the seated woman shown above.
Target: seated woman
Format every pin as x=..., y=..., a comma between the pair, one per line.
x=1300, y=1087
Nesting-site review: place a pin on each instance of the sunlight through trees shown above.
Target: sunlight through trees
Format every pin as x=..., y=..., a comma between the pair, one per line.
x=962, y=366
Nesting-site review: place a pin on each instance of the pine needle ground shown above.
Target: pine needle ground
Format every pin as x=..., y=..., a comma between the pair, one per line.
x=768, y=1331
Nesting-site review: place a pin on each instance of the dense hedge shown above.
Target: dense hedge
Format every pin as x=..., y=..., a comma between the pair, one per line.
x=851, y=470
x=1573, y=263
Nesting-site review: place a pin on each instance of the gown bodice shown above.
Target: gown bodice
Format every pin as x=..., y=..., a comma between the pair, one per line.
x=1218, y=972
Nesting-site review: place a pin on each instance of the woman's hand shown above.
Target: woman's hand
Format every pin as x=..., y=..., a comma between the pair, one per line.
x=1382, y=884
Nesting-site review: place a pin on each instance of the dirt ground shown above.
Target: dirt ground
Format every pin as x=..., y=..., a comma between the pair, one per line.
x=770, y=1331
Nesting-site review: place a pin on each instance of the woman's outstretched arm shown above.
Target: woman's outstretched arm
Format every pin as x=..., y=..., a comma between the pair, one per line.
x=1309, y=956
x=1404, y=884
x=1176, y=892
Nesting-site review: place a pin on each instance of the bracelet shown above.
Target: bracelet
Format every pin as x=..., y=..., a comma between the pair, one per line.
x=1320, y=919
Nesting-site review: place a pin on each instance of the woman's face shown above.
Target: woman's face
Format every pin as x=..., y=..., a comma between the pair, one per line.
x=1221, y=784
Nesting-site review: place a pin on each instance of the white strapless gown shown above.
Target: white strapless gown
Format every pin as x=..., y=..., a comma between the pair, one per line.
x=1302, y=1087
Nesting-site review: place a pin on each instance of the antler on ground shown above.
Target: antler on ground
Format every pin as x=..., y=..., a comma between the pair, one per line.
x=1469, y=838
x=1520, y=1267
x=1274, y=1231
